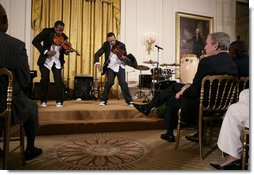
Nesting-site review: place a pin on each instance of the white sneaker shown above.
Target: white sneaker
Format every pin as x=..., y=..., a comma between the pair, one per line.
x=130, y=104
x=44, y=104
x=102, y=103
x=59, y=105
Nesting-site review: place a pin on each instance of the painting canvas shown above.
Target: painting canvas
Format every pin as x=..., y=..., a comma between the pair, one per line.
x=191, y=34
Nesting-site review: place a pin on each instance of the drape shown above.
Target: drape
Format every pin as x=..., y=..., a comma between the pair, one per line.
x=87, y=23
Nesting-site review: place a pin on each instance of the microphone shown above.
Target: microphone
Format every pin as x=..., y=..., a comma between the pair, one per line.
x=159, y=47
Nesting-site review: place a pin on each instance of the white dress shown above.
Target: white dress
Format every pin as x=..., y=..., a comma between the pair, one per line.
x=236, y=118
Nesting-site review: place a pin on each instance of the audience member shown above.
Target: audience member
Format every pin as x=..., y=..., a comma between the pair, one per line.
x=14, y=57
x=186, y=96
x=239, y=53
x=229, y=141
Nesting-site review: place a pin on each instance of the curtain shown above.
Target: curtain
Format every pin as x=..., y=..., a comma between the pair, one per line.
x=87, y=23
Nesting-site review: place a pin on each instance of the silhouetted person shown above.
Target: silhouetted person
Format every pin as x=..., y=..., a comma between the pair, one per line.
x=239, y=53
x=14, y=57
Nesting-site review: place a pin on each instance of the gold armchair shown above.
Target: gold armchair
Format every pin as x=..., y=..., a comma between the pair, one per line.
x=245, y=153
x=5, y=116
x=243, y=83
x=217, y=93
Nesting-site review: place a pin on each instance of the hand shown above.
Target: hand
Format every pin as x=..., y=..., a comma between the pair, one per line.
x=99, y=67
x=180, y=93
x=51, y=53
x=67, y=51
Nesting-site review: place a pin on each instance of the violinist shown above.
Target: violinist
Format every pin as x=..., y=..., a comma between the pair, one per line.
x=51, y=58
x=114, y=66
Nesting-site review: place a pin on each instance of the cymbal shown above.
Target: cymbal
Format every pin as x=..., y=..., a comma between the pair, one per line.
x=173, y=64
x=141, y=67
x=150, y=62
x=164, y=64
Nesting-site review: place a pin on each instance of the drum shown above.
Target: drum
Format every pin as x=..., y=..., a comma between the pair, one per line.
x=166, y=73
x=145, y=81
x=157, y=74
x=188, y=69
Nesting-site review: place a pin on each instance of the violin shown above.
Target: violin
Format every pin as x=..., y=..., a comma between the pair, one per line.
x=118, y=51
x=60, y=41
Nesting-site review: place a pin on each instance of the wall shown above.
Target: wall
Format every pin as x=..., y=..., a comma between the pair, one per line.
x=158, y=16
x=138, y=17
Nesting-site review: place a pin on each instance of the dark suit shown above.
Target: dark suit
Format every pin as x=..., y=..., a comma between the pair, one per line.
x=47, y=36
x=189, y=102
x=14, y=57
x=243, y=65
x=105, y=49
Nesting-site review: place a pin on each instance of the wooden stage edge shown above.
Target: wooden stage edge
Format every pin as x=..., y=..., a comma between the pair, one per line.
x=77, y=117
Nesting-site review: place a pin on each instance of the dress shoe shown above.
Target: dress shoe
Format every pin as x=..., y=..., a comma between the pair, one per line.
x=32, y=153
x=235, y=165
x=193, y=138
x=168, y=137
x=142, y=109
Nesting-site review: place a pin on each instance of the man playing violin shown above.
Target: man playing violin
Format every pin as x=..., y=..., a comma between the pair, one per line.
x=51, y=58
x=115, y=53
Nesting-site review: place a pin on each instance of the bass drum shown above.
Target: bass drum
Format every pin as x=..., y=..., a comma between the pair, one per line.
x=188, y=69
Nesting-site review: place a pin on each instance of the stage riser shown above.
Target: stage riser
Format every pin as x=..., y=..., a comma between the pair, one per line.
x=88, y=117
x=117, y=126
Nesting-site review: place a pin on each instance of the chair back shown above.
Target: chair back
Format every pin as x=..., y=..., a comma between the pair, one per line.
x=243, y=83
x=6, y=78
x=217, y=92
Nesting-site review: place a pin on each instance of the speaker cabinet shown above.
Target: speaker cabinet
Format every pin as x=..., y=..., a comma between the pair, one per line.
x=83, y=88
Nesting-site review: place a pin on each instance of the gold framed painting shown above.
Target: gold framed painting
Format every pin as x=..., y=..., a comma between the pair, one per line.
x=191, y=34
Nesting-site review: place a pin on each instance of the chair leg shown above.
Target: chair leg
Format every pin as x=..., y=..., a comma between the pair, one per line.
x=178, y=130
x=22, y=145
x=200, y=141
x=6, y=142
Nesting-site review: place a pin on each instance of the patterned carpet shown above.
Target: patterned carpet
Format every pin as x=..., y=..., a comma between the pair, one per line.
x=139, y=150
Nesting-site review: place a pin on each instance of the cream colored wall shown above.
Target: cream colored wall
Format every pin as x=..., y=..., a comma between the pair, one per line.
x=158, y=16
x=138, y=17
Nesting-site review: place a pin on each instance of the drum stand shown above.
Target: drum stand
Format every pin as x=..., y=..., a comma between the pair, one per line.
x=150, y=95
x=140, y=94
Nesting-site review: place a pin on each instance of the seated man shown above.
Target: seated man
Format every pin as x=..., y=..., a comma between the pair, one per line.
x=229, y=141
x=186, y=96
x=14, y=57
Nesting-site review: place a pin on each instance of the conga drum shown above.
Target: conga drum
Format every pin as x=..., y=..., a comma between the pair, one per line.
x=188, y=69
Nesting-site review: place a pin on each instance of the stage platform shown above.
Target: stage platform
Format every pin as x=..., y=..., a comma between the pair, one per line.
x=88, y=117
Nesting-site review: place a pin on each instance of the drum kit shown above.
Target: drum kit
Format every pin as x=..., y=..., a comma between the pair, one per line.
x=159, y=79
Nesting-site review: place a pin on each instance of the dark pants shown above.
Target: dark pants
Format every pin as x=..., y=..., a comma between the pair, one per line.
x=122, y=82
x=45, y=83
x=172, y=105
x=24, y=111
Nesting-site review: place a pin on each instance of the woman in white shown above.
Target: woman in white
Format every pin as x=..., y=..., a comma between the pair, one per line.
x=229, y=141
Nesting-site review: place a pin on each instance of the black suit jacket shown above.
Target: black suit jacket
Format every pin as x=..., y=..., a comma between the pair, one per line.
x=14, y=57
x=46, y=36
x=218, y=64
x=105, y=49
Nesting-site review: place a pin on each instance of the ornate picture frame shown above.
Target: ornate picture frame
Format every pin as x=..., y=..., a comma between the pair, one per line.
x=186, y=27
